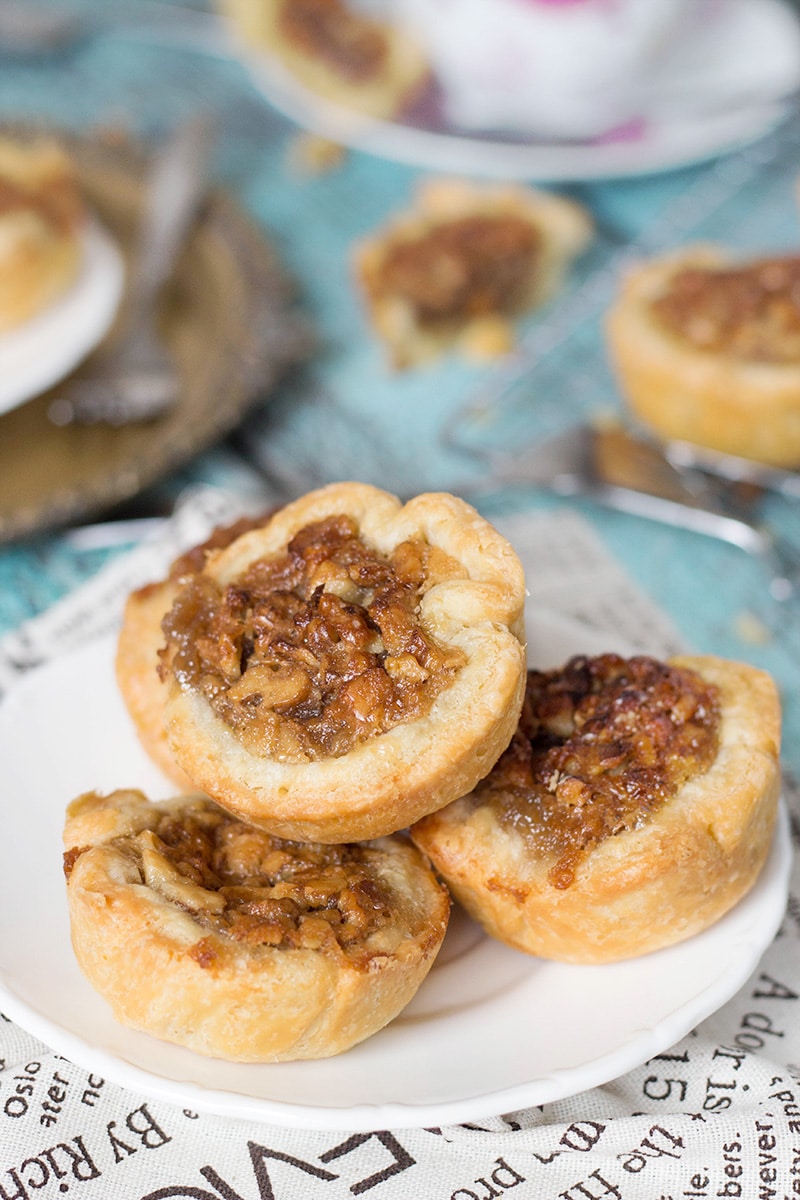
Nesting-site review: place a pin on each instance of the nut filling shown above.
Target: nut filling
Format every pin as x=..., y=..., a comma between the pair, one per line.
x=750, y=312
x=317, y=649
x=258, y=890
x=601, y=745
x=471, y=267
x=350, y=44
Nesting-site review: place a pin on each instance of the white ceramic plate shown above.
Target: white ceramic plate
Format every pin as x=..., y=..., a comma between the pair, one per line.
x=716, y=93
x=39, y=353
x=490, y=1031
x=664, y=146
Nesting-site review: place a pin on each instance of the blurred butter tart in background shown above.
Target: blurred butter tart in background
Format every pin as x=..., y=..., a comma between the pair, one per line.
x=463, y=263
x=41, y=219
x=707, y=350
x=338, y=52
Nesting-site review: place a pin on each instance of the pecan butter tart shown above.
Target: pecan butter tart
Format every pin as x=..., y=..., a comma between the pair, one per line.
x=348, y=667
x=460, y=266
x=41, y=218
x=336, y=50
x=633, y=807
x=206, y=932
x=707, y=350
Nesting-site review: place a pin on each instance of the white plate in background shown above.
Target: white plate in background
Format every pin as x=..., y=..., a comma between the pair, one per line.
x=714, y=94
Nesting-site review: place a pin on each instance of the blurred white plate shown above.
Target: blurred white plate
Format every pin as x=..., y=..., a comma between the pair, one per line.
x=723, y=87
x=39, y=353
x=490, y=1031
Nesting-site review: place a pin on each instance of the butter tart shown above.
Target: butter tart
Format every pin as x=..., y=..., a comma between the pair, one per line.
x=633, y=807
x=463, y=264
x=348, y=667
x=41, y=218
x=707, y=350
x=206, y=932
x=337, y=51
x=140, y=640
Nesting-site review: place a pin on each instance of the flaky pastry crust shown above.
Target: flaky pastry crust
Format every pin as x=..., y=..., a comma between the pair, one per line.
x=714, y=399
x=472, y=611
x=301, y=953
x=380, y=90
x=644, y=888
x=41, y=216
x=561, y=229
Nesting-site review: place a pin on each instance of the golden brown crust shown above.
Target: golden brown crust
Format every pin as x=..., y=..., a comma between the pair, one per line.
x=561, y=230
x=714, y=399
x=381, y=89
x=139, y=682
x=389, y=780
x=41, y=214
x=238, y=995
x=642, y=889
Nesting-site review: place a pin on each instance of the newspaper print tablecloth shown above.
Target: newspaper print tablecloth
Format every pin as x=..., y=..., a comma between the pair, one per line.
x=716, y=1115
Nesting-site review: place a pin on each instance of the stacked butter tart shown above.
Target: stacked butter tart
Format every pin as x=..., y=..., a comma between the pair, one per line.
x=326, y=676
x=633, y=807
x=350, y=669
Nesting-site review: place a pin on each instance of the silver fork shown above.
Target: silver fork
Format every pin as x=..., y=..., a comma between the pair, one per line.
x=611, y=466
x=734, y=469
x=134, y=377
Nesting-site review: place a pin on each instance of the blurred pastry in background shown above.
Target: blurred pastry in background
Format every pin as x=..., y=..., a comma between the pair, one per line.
x=707, y=350
x=336, y=51
x=41, y=220
x=463, y=263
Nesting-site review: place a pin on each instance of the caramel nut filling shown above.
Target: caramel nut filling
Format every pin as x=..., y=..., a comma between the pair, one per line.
x=257, y=890
x=350, y=44
x=601, y=745
x=317, y=649
x=750, y=312
x=469, y=267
